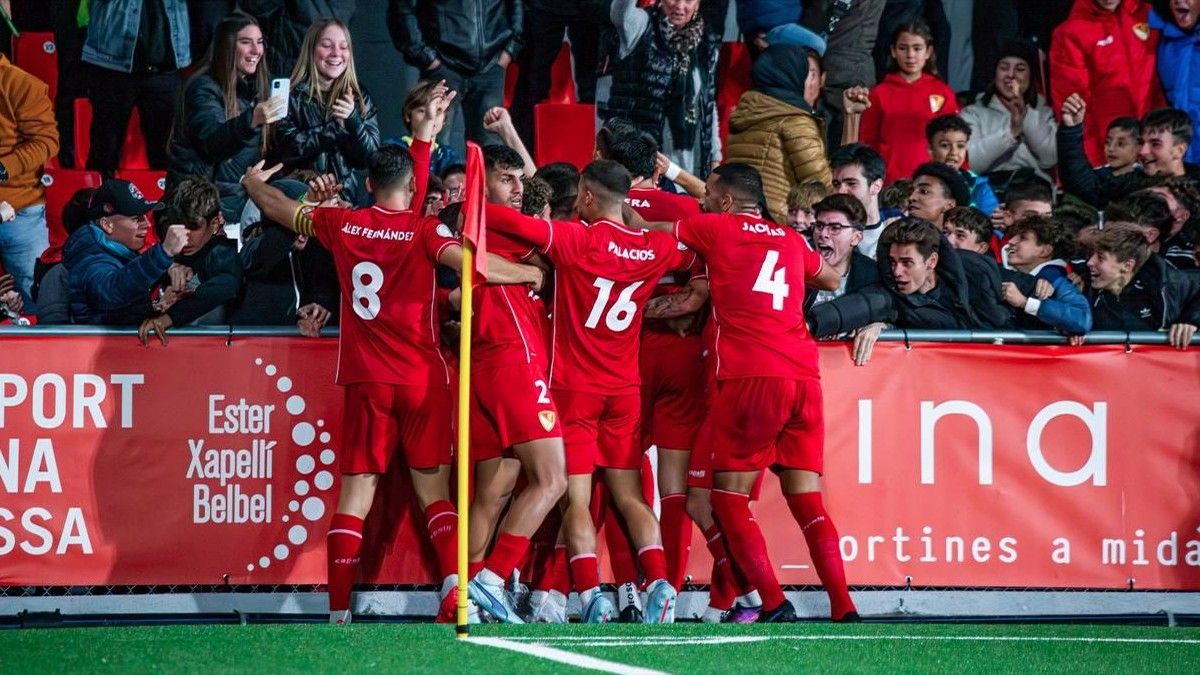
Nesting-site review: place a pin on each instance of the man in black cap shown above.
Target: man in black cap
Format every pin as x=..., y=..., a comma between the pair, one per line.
x=937, y=188
x=110, y=279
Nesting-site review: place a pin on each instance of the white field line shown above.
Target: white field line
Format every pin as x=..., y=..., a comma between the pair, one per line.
x=564, y=657
x=599, y=640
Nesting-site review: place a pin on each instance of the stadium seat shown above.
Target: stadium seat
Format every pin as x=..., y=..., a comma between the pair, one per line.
x=732, y=81
x=564, y=132
x=60, y=185
x=133, y=153
x=152, y=183
x=35, y=53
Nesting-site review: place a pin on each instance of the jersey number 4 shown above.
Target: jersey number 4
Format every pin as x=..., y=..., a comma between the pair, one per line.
x=772, y=281
x=621, y=314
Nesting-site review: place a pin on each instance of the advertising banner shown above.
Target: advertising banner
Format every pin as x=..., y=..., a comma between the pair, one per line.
x=212, y=461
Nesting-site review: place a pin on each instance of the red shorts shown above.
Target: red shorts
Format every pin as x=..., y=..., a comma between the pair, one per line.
x=600, y=430
x=763, y=422
x=510, y=404
x=672, y=370
x=700, y=473
x=379, y=418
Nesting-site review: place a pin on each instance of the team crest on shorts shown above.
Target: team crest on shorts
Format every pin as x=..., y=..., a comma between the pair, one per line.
x=547, y=418
x=936, y=101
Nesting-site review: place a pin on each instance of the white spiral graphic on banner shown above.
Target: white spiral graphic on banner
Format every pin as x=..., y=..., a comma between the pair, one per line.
x=308, y=502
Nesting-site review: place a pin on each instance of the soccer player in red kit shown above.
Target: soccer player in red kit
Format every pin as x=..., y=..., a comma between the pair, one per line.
x=397, y=386
x=512, y=413
x=671, y=356
x=768, y=410
x=604, y=273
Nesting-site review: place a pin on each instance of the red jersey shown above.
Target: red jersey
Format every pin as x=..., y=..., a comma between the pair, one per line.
x=756, y=274
x=604, y=274
x=508, y=318
x=661, y=206
x=895, y=123
x=386, y=262
x=655, y=205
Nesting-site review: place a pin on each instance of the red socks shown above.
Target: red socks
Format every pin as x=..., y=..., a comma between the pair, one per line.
x=559, y=579
x=343, y=545
x=721, y=591
x=822, y=538
x=442, y=522
x=654, y=562
x=746, y=544
x=508, y=552
x=585, y=571
x=676, y=528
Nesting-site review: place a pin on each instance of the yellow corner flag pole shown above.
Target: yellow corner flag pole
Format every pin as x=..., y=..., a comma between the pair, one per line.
x=462, y=630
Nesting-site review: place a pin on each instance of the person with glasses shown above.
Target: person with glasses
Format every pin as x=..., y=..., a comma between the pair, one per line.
x=837, y=230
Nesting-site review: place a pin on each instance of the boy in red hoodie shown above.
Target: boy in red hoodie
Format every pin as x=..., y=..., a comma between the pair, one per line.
x=1105, y=52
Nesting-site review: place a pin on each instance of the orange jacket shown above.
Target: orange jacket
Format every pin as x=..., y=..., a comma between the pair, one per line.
x=28, y=135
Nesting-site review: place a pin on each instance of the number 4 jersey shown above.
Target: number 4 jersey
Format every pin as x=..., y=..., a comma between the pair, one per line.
x=603, y=275
x=386, y=263
x=756, y=273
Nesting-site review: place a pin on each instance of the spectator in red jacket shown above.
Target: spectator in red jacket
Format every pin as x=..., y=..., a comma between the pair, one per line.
x=905, y=101
x=1105, y=52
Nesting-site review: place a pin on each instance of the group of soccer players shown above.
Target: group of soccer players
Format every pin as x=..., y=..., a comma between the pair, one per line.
x=667, y=326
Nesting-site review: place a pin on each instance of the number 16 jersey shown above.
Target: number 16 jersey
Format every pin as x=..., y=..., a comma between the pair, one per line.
x=756, y=274
x=603, y=275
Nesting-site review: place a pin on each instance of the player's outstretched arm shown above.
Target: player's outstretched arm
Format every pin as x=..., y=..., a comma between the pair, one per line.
x=675, y=305
x=827, y=280
x=634, y=220
x=274, y=205
x=500, y=271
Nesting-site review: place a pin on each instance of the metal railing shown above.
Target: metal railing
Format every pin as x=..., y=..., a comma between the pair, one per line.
x=1003, y=337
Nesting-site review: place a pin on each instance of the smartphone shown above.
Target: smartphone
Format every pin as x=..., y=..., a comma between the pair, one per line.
x=281, y=87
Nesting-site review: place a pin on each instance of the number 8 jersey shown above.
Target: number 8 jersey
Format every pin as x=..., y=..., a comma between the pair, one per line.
x=756, y=272
x=603, y=275
x=386, y=262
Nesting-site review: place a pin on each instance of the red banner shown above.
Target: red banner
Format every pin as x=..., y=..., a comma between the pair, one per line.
x=951, y=465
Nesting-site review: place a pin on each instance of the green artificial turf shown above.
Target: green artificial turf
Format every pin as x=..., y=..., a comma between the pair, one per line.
x=682, y=648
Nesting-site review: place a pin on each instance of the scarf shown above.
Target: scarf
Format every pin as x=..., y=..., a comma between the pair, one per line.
x=682, y=113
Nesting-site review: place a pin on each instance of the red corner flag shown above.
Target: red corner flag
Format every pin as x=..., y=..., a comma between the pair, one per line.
x=474, y=220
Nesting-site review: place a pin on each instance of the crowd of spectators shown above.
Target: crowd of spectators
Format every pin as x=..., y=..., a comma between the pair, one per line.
x=1052, y=187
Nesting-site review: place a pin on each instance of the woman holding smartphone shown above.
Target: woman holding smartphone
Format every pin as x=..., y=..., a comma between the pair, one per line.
x=331, y=125
x=224, y=109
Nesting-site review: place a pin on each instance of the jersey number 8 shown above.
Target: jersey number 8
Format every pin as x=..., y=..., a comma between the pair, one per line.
x=367, y=279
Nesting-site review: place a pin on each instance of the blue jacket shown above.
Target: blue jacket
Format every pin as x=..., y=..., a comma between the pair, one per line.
x=982, y=196
x=113, y=33
x=1067, y=310
x=110, y=284
x=1179, y=70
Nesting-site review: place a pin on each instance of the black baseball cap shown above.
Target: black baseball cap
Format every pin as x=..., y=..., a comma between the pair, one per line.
x=951, y=177
x=120, y=197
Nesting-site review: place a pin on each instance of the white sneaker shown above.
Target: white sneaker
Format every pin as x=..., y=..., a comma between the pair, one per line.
x=547, y=607
x=712, y=615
